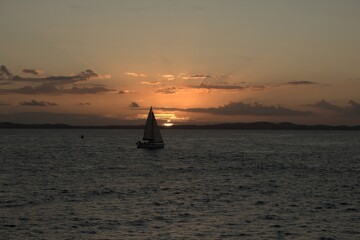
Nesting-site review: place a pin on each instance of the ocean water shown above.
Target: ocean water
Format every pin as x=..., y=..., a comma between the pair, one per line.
x=204, y=185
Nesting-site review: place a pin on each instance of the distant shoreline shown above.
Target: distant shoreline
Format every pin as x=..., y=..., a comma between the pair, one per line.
x=223, y=126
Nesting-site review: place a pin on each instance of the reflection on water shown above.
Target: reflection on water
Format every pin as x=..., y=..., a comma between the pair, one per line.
x=203, y=185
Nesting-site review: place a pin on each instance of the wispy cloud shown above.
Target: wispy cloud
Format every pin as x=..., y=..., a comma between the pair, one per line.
x=241, y=108
x=196, y=76
x=167, y=90
x=84, y=104
x=225, y=86
x=132, y=74
x=169, y=77
x=218, y=86
x=52, y=89
x=35, y=103
x=301, y=83
x=87, y=90
x=150, y=83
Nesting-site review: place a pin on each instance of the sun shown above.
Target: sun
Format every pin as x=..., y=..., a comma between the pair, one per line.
x=168, y=124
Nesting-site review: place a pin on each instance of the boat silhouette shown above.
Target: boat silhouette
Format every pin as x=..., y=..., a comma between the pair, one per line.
x=152, y=136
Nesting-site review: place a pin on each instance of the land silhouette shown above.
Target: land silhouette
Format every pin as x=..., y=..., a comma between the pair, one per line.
x=224, y=126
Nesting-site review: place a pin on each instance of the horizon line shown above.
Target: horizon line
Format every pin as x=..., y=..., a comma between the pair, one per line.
x=262, y=125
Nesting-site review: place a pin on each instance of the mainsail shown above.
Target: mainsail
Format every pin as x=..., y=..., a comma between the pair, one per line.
x=152, y=131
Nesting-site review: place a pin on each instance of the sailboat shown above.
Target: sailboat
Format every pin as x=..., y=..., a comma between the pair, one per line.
x=152, y=136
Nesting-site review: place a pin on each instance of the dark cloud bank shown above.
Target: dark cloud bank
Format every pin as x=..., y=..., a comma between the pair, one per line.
x=352, y=110
x=241, y=108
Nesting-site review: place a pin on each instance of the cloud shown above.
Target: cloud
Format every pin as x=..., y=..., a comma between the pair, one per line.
x=354, y=104
x=46, y=88
x=327, y=106
x=301, y=83
x=63, y=79
x=86, y=75
x=240, y=108
x=150, y=83
x=196, y=76
x=36, y=103
x=5, y=74
x=352, y=110
x=57, y=84
x=220, y=78
x=84, y=104
x=4, y=103
x=134, y=105
x=86, y=90
x=167, y=90
x=31, y=71
x=52, y=89
x=124, y=92
x=225, y=86
x=132, y=74
x=169, y=77
x=222, y=86
x=5, y=83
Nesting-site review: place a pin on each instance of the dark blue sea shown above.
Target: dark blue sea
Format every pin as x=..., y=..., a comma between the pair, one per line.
x=217, y=184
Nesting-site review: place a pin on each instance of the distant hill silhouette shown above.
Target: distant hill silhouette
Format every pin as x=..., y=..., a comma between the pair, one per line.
x=268, y=126
x=65, y=126
x=243, y=126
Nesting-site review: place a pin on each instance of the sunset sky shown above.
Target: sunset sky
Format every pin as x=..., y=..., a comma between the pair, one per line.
x=195, y=61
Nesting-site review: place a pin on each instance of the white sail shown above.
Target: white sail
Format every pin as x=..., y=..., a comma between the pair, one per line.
x=152, y=131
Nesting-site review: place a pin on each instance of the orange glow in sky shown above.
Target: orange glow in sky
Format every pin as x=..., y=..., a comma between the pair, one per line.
x=226, y=61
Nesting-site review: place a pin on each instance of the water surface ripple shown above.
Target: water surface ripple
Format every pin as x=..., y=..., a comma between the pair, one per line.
x=203, y=185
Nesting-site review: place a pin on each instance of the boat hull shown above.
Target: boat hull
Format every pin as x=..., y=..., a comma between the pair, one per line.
x=150, y=145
